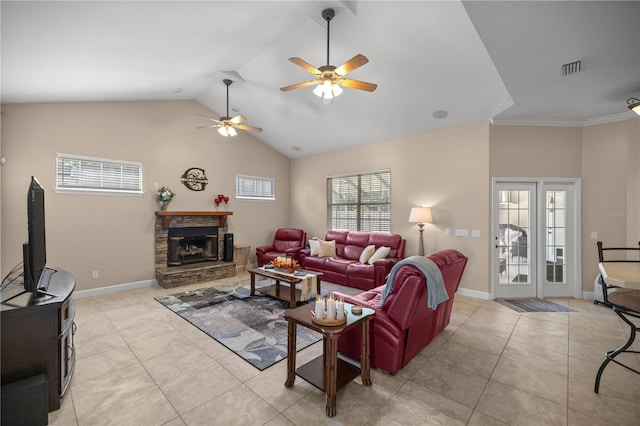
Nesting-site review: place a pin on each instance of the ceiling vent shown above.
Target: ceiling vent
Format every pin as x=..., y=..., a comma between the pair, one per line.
x=570, y=68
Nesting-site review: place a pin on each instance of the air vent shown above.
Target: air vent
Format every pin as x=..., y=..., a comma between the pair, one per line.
x=570, y=68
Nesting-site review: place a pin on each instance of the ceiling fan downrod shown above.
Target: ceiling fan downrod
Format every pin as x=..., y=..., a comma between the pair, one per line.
x=328, y=15
x=227, y=82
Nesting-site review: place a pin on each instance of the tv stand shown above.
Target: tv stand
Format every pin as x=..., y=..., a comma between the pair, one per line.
x=37, y=336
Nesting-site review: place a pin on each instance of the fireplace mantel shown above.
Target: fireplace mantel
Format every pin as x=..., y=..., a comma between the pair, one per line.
x=167, y=215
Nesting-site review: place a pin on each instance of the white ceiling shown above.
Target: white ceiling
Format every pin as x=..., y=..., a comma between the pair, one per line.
x=476, y=60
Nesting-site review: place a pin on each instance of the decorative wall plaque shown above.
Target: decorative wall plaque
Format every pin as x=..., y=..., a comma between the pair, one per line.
x=195, y=179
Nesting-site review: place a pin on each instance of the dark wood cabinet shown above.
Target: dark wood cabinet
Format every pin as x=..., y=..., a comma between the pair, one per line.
x=37, y=335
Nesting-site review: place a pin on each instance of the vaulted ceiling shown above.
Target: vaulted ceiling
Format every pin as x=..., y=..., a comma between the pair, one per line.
x=437, y=63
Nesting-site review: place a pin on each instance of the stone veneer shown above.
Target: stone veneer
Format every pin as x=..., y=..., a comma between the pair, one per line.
x=174, y=276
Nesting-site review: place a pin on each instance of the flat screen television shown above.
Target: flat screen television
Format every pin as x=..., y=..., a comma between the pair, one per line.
x=34, y=251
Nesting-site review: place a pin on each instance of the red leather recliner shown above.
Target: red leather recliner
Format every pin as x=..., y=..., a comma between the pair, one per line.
x=404, y=325
x=287, y=242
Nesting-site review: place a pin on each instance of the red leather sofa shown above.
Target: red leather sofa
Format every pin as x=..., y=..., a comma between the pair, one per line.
x=287, y=242
x=404, y=325
x=345, y=268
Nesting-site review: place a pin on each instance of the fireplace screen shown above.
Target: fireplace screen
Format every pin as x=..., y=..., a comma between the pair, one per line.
x=192, y=245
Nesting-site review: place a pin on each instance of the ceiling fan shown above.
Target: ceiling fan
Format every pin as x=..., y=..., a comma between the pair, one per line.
x=329, y=78
x=226, y=125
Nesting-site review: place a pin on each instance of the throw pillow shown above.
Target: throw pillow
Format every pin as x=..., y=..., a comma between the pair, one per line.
x=314, y=246
x=327, y=248
x=381, y=253
x=367, y=253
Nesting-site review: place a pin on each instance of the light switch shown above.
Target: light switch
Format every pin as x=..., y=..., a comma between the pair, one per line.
x=594, y=235
x=447, y=232
x=462, y=232
x=475, y=233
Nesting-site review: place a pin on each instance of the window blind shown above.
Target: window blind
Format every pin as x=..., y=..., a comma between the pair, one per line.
x=360, y=202
x=255, y=188
x=90, y=174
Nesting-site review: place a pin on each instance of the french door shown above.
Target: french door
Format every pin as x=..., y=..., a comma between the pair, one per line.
x=536, y=239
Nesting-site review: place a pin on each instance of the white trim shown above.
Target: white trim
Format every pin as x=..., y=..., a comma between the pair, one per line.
x=101, y=291
x=550, y=122
x=588, y=295
x=474, y=293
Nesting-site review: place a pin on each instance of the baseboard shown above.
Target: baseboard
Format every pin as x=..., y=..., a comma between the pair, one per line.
x=101, y=291
x=588, y=295
x=474, y=293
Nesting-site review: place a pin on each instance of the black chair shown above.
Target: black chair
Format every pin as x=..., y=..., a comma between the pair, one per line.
x=625, y=303
x=618, y=258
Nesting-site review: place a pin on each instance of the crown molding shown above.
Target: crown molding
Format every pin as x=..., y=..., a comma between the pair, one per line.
x=552, y=122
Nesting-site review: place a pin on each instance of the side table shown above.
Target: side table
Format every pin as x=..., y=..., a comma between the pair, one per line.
x=241, y=249
x=327, y=372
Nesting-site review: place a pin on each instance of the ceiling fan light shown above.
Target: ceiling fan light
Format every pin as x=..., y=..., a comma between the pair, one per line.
x=318, y=90
x=232, y=131
x=336, y=89
x=224, y=131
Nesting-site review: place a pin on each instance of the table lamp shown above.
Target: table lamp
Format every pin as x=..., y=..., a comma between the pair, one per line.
x=420, y=215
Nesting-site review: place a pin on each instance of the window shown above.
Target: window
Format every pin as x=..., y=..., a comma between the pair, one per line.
x=255, y=188
x=75, y=173
x=360, y=202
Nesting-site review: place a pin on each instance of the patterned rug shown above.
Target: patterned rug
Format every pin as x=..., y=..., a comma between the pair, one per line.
x=251, y=326
x=533, y=305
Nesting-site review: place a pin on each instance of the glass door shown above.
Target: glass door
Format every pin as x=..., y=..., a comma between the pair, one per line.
x=515, y=240
x=535, y=242
x=559, y=251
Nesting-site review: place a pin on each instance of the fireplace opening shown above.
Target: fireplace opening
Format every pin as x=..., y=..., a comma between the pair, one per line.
x=192, y=245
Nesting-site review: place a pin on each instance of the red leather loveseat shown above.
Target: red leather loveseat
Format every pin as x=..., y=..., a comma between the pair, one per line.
x=345, y=267
x=404, y=324
x=287, y=242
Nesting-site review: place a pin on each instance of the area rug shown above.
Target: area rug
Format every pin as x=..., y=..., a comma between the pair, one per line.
x=533, y=305
x=253, y=327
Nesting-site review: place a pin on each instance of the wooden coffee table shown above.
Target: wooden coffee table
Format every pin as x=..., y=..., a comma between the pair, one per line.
x=327, y=372
x=291, y=294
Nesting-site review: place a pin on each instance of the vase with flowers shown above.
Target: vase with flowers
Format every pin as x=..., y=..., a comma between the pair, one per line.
x=285, y=264
x=165, y=195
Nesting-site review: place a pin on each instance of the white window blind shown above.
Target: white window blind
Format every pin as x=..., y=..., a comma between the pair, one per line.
x=360, y=202
x=255, y=188
x=76, y=173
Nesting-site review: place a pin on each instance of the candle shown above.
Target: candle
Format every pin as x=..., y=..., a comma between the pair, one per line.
x=340, y=309
x=319, y=308
x=331, y=308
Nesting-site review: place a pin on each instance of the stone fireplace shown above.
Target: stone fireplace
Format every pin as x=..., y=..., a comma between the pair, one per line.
x=188, y=248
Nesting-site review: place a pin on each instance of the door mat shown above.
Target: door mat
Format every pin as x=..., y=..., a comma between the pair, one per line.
x=253, y=327
x=533, y=305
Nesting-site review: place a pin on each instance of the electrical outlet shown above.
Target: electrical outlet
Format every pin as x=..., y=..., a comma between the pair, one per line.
x=95, y=274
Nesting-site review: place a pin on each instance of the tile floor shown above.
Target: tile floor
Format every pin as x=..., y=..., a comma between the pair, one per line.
x=140, y=364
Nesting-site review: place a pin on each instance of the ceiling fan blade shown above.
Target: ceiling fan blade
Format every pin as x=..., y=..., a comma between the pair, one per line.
x=352, y=64
x=245, y=127
x=361, y=85
x=299, y=85
x=206, y=127
x=209, y=118
x=238, y=119
x=304, y=64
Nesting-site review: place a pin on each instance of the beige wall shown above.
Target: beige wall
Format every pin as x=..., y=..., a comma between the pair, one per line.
x=611, y=205
x=447, y=170
x=114, y=234
x=606, y=157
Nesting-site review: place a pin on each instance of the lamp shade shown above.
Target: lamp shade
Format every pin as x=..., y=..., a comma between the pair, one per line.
x=634, y=105
x=420, y=215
